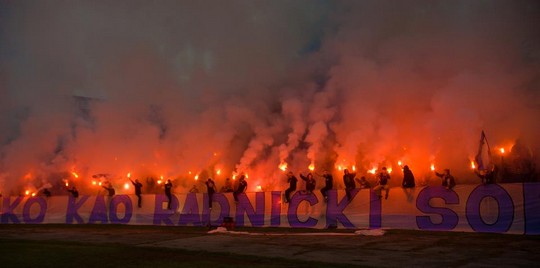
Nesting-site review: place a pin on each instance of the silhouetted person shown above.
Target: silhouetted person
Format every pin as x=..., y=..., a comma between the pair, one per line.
x=486, y=176
x=382, y=183
x=408, y=178
x=150, y=185
x=194, y=189
x=310, y=182
x=138, y=191
x=168, y=187
x=448, y=180
x=363, y=183
x=292, y=180
x=348, y=180
x=46, y=192
x=211, y=189
x=110, y=190
x=227, y=188
x=242, y=186
x=328, y=184
x=74, y=192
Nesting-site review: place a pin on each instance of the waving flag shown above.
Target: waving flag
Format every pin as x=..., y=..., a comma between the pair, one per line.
x=483, y=157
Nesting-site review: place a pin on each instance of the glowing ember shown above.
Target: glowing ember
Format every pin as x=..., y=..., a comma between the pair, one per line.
x=432, y=167
x=311, y=167
x=126, y=186
x=75, y=174
x=283, y=166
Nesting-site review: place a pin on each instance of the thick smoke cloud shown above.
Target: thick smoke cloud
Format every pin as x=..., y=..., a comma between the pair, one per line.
x=179, y=89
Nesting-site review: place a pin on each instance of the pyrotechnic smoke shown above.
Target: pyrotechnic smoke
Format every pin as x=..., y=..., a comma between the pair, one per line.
x=165, y=88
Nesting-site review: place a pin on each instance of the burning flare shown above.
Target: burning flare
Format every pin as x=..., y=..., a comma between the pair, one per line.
x=473, y=166
x=311, y=167
x=501, y=150
x=283, y=166
x=126, y=186
x=75, y=174
x=373, y=170
x=432, y=167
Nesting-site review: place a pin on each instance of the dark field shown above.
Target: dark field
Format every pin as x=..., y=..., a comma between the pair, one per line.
x=151, y=246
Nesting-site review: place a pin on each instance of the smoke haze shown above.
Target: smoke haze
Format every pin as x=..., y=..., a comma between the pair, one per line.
x=180, y=88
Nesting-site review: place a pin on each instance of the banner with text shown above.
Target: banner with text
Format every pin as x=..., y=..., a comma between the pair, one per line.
x=496, y=208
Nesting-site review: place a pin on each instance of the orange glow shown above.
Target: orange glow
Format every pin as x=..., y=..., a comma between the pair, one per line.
x=283, y=166
x=311, y=167
x=75, y=174
x=126, y=186
x=189, y=172
x=432, y=167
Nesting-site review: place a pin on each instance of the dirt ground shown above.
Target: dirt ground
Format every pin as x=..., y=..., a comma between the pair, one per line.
x=394, y=248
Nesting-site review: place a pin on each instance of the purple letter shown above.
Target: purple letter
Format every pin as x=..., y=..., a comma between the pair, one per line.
x=117, y=200
x=161, y=215
x=7, y=210
x=531, y=199
x=99, y=212
x=292, y=214
x=72, y=208
x=449, y=217
x=26, y=210
x=505, y=215
x=275, y=218
x=334, y=210
x=244, y=206
x=375, y=210
x=190, y=213
x=223, y=204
